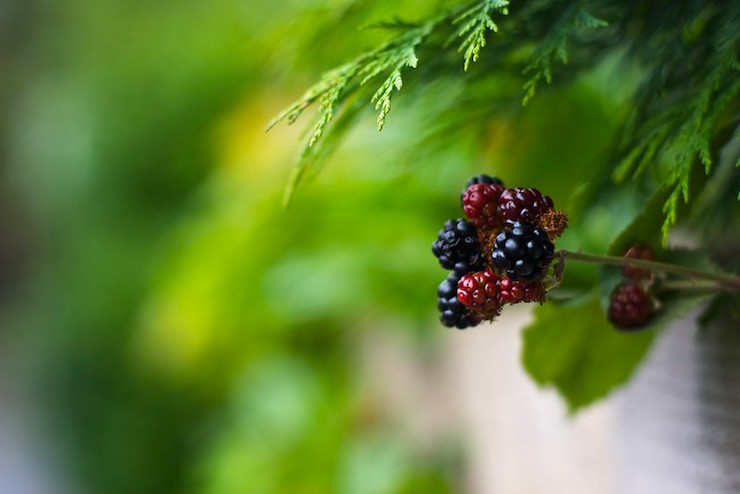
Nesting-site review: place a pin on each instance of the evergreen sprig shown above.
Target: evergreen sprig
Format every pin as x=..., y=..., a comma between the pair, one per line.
x=554, y=47
x=680, y=107
x=476, y=22
x=687, y=52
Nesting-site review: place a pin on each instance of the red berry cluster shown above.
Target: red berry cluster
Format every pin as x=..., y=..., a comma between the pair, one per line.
x=479, y=292
x=530, y=224
x=631, y=305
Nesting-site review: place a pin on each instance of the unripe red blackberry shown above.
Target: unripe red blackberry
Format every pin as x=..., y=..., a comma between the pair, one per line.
x=523, y=205
x=451, y=312
x=457, y=247
x=523, y=252
x=478, y=292
x=638, y=251
x=630, y=307
x=480, y=203
x=513, y=291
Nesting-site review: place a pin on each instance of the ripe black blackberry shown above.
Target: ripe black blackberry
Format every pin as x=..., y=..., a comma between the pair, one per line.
x=522, y=204
x=481, y=179
x=523, y=252
x=630, y=307
x=457, y=247
x=452, y=312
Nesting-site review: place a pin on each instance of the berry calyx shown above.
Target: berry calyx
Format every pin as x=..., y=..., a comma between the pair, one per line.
x=480, y=203
x=522, y=204
x=452, y=313
x=479, y=292
x=638, y=251
x=630, y=307
x=457, y=247
x=523, y=252
x=514, y=291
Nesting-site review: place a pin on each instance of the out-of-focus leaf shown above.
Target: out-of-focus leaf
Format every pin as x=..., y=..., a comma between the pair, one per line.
x=576, y=350
x=644, y=228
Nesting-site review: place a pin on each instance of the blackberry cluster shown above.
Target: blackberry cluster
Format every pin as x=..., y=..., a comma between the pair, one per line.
x=457, y=247
x=453, y=314
x=524, y=252
x=499, y=255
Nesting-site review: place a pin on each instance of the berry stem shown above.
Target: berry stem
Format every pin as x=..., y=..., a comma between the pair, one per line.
x=726, y=282
x=680, y=285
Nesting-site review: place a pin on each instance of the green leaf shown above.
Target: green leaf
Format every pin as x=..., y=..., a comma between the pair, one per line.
x=574, y=348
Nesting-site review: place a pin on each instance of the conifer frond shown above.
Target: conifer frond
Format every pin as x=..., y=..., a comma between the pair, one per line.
x=312, y=156
x=394, y=61
x=336, y=86
x=681, y=120
x=688, y=56
x=478, y=20
x=329, y=92
x=554, y=47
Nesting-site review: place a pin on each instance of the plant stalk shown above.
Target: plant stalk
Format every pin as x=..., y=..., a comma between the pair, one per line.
x=728, y=282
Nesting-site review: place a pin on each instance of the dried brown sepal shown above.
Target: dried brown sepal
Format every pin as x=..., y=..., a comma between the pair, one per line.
x=485, y=315
x=554, y=222
x=486, y=239
x=540, y=294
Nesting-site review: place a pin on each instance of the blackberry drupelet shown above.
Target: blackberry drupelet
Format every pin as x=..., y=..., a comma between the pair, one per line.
x=480, y=203
x=457, y=247
x=452, y=312
x=523, y=252
x=630, y=307
x=523, y=205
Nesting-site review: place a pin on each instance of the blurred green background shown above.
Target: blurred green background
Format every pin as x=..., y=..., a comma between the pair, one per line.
x=167, y=324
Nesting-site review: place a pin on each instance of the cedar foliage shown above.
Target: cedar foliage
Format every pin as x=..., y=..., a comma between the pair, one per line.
x=687, y=52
